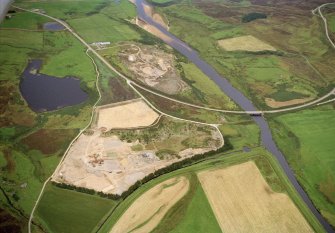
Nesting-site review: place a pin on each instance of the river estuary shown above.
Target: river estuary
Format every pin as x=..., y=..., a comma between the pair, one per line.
x=239, y=98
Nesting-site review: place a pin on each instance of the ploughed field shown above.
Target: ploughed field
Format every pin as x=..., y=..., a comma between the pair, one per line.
x=149, y=209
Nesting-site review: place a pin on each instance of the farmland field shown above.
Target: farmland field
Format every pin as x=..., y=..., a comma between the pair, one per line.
x=188, y=214
x=307, y=139
x=141, y=217
x=246, y=43
x=243, y=202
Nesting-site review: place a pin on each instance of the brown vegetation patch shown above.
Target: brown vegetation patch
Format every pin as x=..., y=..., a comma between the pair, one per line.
x=10, y=166
x=11, y=112
x=49, y=141
x=245, y=43
x=279, y=104
x=242, y=201
x=327, y=187
x=8, y=224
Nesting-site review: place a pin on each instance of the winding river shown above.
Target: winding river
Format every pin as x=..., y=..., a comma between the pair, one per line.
x=239, y=98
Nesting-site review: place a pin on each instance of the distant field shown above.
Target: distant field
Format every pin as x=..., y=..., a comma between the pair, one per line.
x=243, y=202
x=307, y=139
x=69, y=211
x=245, y=43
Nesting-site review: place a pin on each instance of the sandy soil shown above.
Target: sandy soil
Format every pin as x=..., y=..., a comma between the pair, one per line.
x=246, y=43
x=142, y=217
x=278, y=104
x=155, y=16
x=243, y=202
x=130, y=114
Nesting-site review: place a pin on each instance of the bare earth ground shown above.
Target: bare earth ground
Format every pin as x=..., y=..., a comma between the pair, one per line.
x=152, y=66
x=149, y=209
x=108, y=164
x=153, y=30
x=155, y=16
x=242, y=201
x=125, y=115
x=278, y=104
x=245, y=43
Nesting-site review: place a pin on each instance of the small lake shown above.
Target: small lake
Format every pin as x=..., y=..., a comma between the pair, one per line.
x=53, y=26
x=45, y=93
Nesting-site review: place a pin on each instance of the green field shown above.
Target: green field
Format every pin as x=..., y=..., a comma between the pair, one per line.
x=331, y=22
x=307, y=140
x=191, y=220
x=69, y=211
x=194, y=209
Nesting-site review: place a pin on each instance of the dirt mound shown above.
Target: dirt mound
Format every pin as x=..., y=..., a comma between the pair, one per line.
x=153, y=66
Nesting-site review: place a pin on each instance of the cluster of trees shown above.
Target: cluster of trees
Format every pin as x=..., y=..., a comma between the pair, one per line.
x=253, y=16
x=162, y=171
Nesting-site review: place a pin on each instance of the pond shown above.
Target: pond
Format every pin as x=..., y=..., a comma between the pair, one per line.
x=53, y=26
x=45, y=93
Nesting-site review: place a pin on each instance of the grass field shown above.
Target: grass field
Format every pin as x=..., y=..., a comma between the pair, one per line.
x=306, y=138
x=197, y=216
x=183, y=217
x=68, y=211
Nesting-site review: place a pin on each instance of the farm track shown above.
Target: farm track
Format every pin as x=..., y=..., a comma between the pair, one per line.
x=129, y=82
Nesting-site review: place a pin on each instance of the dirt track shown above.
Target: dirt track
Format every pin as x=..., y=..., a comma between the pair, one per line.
x=149, y=209
x=242, y=201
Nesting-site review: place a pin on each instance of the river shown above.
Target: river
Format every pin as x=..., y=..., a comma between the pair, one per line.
x=240, y=99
